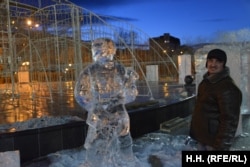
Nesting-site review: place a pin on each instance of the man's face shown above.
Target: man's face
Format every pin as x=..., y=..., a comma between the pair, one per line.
x=214, y=66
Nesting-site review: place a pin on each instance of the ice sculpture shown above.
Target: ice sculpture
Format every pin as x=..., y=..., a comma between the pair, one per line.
x=102, y=89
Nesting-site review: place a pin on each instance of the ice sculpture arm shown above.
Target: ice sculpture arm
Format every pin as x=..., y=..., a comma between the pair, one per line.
x=127, y=91
x=130, y=85
x=83, y=92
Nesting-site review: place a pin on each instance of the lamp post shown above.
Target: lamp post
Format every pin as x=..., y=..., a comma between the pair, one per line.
x=30, y=26
x=11, y=53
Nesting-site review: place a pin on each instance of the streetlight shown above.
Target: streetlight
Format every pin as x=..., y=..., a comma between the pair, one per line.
x=29, y=22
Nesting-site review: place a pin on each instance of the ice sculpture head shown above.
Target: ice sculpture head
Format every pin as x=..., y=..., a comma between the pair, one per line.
x=103, y=50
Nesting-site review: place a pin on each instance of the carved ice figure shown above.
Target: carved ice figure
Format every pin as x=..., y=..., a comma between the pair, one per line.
x=102, y=89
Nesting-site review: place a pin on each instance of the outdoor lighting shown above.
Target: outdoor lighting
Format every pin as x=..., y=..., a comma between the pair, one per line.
x=66, y=70
x=26, y=63
x=29, y=22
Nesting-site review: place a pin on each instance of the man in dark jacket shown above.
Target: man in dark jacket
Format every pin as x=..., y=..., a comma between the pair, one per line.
x=217, y=111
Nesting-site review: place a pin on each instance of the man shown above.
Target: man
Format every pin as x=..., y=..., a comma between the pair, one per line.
x=217, y=111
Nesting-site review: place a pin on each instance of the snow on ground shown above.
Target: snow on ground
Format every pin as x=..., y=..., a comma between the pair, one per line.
x=151, y=148
x=39, y=123
x=10, y=159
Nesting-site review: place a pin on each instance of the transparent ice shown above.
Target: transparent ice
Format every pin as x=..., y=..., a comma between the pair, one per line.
x=102, y=89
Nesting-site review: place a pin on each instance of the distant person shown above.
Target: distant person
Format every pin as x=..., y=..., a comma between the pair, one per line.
x=216, y=115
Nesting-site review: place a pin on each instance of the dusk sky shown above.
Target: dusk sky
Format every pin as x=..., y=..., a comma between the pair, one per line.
x=184, y=19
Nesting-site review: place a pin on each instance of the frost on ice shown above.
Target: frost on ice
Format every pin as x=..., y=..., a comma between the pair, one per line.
x=102, y=89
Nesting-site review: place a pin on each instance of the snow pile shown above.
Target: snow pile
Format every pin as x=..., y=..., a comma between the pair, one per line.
x=38, y=123
x=150, y=149
x=10, y=159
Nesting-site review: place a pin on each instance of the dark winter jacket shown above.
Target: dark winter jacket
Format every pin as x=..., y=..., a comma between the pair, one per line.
x=216, y=115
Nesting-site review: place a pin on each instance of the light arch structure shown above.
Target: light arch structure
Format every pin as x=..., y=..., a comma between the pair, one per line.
x=45, y=44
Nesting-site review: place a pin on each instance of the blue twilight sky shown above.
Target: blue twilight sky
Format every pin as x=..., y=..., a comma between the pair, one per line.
x=185, y=19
